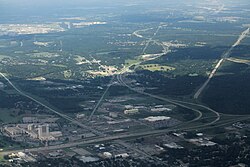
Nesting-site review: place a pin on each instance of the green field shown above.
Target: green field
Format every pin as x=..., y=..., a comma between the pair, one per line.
x=155, y=67
x=8, y=116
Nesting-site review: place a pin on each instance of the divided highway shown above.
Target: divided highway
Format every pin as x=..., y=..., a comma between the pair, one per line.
x=105, y=138
x=223, y=58
x=51, y=109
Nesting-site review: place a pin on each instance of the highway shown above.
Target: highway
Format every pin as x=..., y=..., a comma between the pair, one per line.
x=150, y=40
x=91, y=141
x=51, y=109
x=220, y=62
x=175, y=102
x=136, y=33
x=101, y=138
x=118, y=138
x=122, y=137
x=197, y=94
x=218, y=115
x=101, y=99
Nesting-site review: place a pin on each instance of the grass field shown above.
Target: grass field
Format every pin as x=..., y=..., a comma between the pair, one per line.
x=156, y=67
x=7, y=116
x=131, y=62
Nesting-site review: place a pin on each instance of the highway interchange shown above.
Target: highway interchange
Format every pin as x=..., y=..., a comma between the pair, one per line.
x=121, y=76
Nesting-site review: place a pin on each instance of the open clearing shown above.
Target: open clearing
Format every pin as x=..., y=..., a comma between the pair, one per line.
x=156, y=67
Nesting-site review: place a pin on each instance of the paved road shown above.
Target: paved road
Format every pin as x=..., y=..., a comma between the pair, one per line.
x=123, y=136
x=101, y=99
x=150, y=40
x=178, y=103
x=120, y=79
x=136, y=33
x=218, y=115
x=223, y=58
x=51, y=109
x=102, y=136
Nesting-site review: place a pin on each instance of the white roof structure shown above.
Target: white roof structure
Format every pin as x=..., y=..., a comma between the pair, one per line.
x=156, y=118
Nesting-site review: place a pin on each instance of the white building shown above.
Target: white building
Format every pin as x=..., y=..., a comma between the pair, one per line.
x=31, y=127
x=131, y=111
x=80, y=116
x=43, y=131
x=13, y=131
x=156, y=118
x=113, y=114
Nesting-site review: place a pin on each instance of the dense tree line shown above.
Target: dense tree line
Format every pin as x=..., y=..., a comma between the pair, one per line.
x=230, y=93
x=167, y=85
